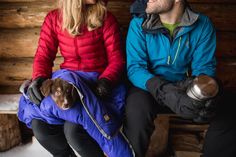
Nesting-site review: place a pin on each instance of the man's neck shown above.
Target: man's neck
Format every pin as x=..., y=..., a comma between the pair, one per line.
x=173, y=16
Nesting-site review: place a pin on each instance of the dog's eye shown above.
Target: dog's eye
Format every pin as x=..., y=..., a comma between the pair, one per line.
x=57, y=93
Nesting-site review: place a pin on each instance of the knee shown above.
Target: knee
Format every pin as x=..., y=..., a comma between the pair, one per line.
x=72, y=132
x=69, y=130
x=139, y=104
x=39, y=130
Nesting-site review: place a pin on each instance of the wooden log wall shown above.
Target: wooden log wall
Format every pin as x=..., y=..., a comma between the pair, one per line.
x=20, y=22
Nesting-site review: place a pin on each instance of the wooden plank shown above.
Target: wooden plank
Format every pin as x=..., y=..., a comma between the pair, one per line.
x=226, y=71
x=159, y=139
x=190, y=1
x=221, y=15
x=121, y=11
x=187, y=154
x=15, y=71
x=213, y=2
x=9, y=112
x=16, y=43
x=9, y=132
x=20, y=15
x=226, y=46
x=186, y=135
x=189, y=127
x=15, y=15
x=186, y=142
x=9, y=89
x=14, y=1
x=25, y=41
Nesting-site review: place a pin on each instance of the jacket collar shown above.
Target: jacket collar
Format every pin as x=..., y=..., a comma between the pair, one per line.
x=152, y=22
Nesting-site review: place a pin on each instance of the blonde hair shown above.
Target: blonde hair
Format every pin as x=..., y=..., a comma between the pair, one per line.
x=75, y=15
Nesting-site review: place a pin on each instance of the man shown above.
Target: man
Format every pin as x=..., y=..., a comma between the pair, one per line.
x=166, y=40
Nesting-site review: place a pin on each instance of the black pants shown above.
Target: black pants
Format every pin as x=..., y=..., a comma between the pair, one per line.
x=141, y=110
x=57, y=139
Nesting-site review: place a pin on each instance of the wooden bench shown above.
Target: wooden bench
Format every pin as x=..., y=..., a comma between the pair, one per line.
x=176, y=136
x=20, y=22
x=10, y=134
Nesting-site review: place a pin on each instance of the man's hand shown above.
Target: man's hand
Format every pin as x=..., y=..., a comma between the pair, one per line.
x=103, y=88
x=34, y=92
x=179, y=102
x=184, y=84
x=174, y=96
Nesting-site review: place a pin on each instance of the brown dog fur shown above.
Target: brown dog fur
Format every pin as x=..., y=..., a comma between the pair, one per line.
x=63, y=93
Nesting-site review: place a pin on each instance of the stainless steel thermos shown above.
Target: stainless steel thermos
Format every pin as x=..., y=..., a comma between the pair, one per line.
x=203, y=87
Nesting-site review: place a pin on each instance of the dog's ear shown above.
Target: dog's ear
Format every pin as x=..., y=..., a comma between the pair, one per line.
x=46, y=87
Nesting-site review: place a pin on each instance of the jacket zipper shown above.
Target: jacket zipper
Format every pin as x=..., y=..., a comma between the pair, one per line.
x=91, y=117
x=126, y=139
x=176, y=53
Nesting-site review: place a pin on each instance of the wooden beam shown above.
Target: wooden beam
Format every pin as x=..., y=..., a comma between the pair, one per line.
x=187, y=154
x=23, y=14
x=186, y=142
x=226, y=71
x=225, y=46
x=15, y=71
x=9, y=89
x=24, y=42
x=16, y=43
x=190, y=1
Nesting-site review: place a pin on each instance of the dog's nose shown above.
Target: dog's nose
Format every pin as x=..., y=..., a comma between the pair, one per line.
x=65, y=101
x=65, y=107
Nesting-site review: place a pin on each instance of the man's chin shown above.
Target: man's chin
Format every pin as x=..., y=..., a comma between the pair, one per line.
x=149, y=11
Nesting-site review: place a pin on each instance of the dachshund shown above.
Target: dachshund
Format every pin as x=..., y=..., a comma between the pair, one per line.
x=63, y=93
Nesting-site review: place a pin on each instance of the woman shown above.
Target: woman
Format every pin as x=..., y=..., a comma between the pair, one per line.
x=89, y=40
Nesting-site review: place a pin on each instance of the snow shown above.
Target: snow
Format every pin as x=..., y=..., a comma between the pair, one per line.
x=28, y=150
x=9, y=102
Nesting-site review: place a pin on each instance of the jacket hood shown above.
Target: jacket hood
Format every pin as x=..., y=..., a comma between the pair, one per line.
x=138, y=8
x=152, y=22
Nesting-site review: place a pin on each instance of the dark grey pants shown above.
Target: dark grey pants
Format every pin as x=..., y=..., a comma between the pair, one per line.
x=141, y=110
x=57, y=139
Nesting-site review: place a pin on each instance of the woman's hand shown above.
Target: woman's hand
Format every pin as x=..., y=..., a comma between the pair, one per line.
x=34, y=92
x=103, y=88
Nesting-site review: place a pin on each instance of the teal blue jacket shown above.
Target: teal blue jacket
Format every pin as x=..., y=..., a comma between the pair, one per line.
x=152, y=52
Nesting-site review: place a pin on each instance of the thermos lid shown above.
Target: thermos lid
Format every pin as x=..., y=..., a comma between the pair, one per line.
x=203, y=87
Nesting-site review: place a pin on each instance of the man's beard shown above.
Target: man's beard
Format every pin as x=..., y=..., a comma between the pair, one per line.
x=159, y=9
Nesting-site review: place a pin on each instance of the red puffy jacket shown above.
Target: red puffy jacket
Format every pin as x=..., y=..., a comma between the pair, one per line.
x=98, y=50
